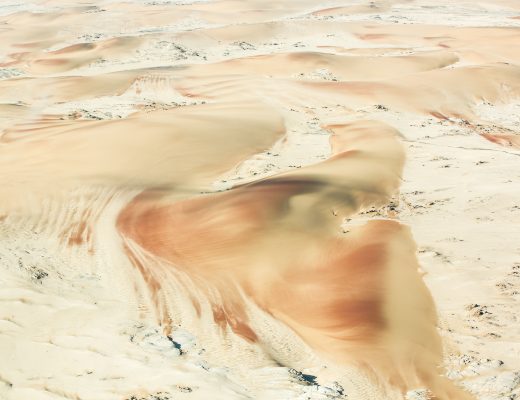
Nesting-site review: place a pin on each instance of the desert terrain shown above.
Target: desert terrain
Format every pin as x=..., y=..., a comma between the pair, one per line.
x=259, y=199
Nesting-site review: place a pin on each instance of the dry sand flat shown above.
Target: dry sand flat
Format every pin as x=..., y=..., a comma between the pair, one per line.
x=259, y=200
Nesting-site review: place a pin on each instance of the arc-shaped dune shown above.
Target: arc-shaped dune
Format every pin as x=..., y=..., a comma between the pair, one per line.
x=277, y=242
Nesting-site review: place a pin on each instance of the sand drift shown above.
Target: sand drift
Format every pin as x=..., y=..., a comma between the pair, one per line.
x=196, y=208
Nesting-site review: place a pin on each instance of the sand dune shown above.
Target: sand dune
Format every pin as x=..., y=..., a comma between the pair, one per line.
x=245, y=241
x=144, y=150
x=265, y=199
x=72, y=56
x=442, y=93
x=341, y=67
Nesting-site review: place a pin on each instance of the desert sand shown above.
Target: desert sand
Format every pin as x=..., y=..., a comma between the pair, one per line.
x=261, y=199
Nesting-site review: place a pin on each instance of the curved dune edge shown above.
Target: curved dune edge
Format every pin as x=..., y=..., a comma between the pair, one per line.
x=143, y=150
x=276, y=242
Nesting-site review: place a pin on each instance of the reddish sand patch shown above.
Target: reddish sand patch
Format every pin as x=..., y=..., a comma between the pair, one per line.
x=507, y=140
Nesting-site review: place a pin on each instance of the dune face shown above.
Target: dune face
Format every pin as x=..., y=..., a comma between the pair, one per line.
x=70, y=57
x=265, y=199
x=276, y=241
x=145, y=149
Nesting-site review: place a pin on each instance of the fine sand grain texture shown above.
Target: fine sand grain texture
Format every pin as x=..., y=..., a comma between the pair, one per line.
x=261, y=199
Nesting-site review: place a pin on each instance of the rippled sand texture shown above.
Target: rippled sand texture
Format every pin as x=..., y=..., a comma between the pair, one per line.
x=219, y=199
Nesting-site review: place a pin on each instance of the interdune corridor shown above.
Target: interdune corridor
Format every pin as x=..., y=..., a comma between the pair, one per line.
x=259, y=199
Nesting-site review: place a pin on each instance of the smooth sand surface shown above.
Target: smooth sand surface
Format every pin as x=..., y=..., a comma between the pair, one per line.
x=265, y=199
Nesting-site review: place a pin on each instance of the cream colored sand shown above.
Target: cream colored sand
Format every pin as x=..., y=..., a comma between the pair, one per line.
x=266, y=199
